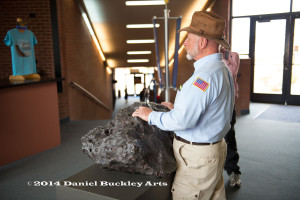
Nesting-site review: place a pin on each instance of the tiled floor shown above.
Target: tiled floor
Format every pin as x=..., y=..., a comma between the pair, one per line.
x=269, y=160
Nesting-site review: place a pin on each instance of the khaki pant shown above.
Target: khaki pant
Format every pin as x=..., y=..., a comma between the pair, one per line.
x=199, y=171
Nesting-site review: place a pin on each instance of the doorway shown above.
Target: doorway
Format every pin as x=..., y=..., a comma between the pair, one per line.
x=134, y=80
x=275, y=54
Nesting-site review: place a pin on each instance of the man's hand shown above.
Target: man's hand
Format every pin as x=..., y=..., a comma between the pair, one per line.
x=142, y=112
x=168, y=105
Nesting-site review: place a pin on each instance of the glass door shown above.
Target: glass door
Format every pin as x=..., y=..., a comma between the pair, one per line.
x=295, y=85
x=294, y=93
x=275, y=60
x=268, y=60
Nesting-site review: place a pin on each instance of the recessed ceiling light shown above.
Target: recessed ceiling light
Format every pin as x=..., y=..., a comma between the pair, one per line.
x=138, y=52
x=144, y=3
x=142, y=25
x=139, y=41
x=138, y=60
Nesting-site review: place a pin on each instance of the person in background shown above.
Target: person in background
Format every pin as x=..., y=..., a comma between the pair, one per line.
x=126, y=94
x=232, y=61
x=201, y=114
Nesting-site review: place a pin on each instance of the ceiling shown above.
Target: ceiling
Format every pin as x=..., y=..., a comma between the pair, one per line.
x=110, y=17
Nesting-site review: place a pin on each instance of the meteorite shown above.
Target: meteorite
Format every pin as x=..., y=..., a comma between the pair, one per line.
x=129, y=144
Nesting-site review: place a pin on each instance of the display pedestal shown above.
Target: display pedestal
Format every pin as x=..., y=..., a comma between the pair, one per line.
x=29, y=118
x=107, y=185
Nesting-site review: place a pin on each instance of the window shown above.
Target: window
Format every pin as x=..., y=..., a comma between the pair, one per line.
x=296, y=5
x=256, y=7
x=240, y=36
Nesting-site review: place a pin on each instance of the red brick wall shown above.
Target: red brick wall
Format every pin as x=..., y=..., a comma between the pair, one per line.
x=80, y=60
x=81, y=63
x=40, y=25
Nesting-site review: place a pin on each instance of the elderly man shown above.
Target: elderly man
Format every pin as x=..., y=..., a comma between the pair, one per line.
x=201, y=114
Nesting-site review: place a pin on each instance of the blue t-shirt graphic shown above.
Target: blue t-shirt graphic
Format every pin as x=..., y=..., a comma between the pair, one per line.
x=22, y=51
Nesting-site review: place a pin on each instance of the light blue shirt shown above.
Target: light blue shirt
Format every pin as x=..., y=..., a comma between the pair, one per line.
x=22, y=51
x=202, y=111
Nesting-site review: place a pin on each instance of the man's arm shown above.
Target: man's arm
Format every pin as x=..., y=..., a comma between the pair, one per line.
x=191, y=103
x=144, y=112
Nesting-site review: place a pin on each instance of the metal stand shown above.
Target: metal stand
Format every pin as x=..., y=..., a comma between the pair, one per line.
x=167, y=87
x=166, y=22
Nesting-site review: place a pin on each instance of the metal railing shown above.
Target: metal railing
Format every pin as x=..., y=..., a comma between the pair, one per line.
x=90, y=95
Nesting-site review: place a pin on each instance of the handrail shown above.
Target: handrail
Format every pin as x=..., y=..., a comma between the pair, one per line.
x=90, y=95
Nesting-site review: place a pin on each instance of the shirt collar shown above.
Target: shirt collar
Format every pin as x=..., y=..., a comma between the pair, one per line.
x=202, y=61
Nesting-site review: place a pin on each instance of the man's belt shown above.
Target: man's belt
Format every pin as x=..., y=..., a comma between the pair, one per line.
x=193, y=143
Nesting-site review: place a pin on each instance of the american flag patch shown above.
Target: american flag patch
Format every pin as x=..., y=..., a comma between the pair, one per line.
x=201, y=84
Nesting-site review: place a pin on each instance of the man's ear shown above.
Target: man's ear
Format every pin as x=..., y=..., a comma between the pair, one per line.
x=202, y=43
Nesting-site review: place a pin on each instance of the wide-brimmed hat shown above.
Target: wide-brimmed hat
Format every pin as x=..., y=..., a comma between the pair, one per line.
x=208, y=25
